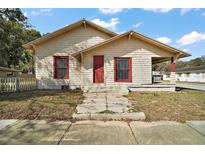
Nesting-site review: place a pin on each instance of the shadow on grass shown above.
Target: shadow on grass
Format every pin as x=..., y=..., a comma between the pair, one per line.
x=41, y=104
x=33, y=132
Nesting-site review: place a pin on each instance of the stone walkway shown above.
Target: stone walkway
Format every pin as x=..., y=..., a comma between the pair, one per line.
x=99, y=132
x=106, y=106
x=100, y=102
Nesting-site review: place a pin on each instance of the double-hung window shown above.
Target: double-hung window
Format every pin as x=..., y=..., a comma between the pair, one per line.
x=61, y=67
x=123, y=69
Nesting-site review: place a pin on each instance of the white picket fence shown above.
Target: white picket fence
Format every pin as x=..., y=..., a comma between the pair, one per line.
x=17, y=84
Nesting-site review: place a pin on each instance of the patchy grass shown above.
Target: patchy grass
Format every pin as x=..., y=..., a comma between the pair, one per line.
x=175, y=106
x=42, y=104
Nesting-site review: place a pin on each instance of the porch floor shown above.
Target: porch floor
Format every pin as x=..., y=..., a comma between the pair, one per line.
x=160, y=86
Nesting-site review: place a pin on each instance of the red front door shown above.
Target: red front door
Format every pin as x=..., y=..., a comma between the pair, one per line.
x=98, y=69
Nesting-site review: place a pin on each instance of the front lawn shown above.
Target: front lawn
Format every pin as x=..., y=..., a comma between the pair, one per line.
x=175, y=106
x=42, y=104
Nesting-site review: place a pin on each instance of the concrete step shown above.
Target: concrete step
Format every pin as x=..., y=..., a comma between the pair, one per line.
x=152, y=88
x=103, y=89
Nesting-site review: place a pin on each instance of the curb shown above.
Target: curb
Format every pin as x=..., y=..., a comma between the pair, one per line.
x=198, y=129
x=108, y=116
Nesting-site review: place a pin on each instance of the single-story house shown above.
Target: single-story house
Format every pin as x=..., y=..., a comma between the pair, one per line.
x=88, y=56
x=189, y=74
x=5, y=72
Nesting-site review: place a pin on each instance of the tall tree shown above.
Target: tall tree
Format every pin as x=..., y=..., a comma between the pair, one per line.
x=14, y=14
x=14, y=32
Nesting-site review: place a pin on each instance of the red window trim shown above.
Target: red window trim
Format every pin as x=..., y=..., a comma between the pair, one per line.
x=54, y=66
x=130, y=68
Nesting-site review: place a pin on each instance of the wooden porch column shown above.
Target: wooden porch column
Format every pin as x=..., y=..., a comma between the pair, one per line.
x=172, y=70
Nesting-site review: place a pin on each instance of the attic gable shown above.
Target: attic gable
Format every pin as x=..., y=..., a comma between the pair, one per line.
x=61, y=31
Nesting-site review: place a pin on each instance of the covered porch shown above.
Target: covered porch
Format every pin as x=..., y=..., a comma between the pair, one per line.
x=132, y=53
x=159, y=85
x=171, y=69
x=153, y=86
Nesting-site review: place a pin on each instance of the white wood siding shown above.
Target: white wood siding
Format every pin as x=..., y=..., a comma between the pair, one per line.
x=70, y=42
x=140, y=52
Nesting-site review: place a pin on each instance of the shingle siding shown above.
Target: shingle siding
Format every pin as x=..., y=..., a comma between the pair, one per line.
x=78, y=39
x=70, y=42
x=140, y=52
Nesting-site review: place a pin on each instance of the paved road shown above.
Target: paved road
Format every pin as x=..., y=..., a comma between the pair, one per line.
x=99, y=132
x=192, y=86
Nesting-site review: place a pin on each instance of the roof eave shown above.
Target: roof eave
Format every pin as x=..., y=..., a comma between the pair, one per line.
x=102, y=43
x=171, y=49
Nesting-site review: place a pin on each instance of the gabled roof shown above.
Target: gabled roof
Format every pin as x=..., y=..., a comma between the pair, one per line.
x=65, y=29
x=141, y=37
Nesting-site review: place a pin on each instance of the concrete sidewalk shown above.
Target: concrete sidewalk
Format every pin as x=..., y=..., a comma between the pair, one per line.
x=200, y=87
x=99, y=132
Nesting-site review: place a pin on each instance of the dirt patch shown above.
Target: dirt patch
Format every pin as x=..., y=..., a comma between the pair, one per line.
x=42, y=104
x=175, y=106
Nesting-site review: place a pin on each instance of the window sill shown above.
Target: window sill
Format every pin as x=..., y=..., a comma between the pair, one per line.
x=123, y=81
x=61, y=78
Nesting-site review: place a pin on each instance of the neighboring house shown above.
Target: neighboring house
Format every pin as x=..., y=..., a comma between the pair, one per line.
x=85, y=55
x=5, y=72
x=189, y=74
x=166, y=76
x=192, y=74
